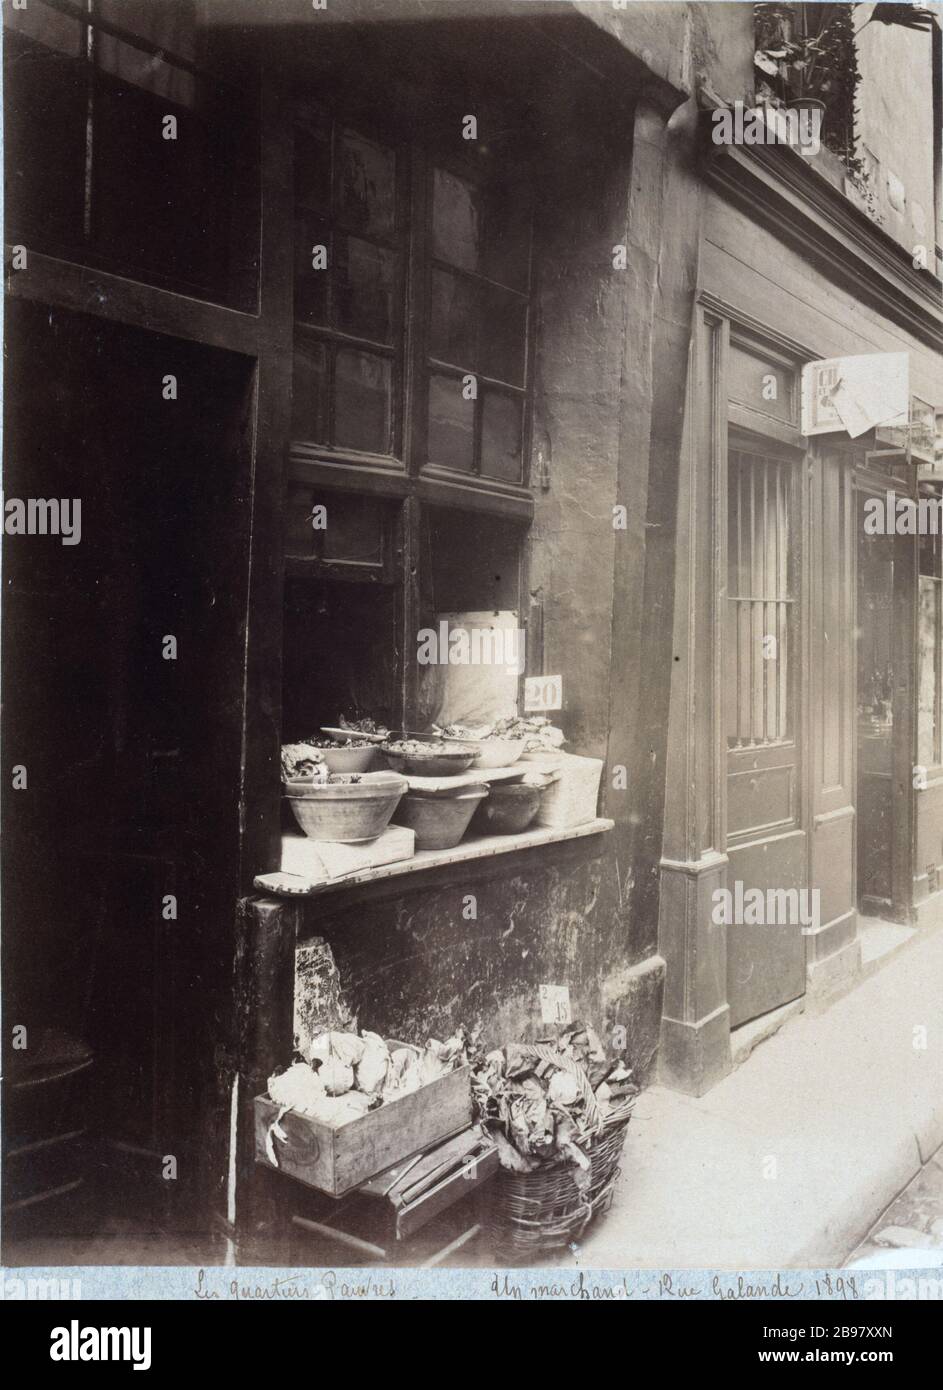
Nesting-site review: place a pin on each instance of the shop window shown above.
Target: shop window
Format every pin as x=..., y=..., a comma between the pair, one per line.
x=412, y=284
x=929, y=646
x=379, y=225
x=760, y=602
x=358, y=614
x=349, y=259
x=91, y=175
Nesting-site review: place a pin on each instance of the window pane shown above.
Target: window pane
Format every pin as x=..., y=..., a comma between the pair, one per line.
x=453, y=320
x=477, y=327
x=503, y=336
x=367, y=185
x=365, y=282
x=47, y=26
x=136, y=222
x=311, y=286
x=759, y=384
x=145, y=70
x=451, y=424
x=362, y=402
x=455, y=221
x=501, y=437
x=309, y=393
x=485, y=230
x=760, y=608
x=172, y=27
x=45, y=109
x=354, y=531
x=930, y=551
x=507, y=236
x=312, y=159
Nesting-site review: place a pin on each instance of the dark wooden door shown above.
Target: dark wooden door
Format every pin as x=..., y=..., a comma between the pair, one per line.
x=766, y=843
x=885, y=655
x=133, y=758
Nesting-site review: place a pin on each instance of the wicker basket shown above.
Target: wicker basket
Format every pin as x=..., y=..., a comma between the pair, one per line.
x=528, y=1215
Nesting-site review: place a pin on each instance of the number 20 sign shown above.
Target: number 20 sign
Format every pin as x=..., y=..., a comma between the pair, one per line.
x=542, y=693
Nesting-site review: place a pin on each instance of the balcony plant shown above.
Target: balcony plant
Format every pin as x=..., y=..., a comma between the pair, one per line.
x=807, y=55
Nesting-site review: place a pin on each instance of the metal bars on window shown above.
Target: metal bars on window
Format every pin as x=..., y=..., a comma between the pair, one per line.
x=760, y=601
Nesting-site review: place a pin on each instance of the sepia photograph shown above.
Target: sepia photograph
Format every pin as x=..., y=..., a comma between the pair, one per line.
x=472, y=664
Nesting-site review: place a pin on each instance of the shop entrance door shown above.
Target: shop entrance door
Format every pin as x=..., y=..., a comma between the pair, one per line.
x=766, y=842
x=884, y=692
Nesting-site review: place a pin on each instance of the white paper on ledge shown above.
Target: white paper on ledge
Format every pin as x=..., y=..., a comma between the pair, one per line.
x=322, y=860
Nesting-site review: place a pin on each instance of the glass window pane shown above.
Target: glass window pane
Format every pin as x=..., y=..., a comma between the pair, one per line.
x=451, y=439
x=311, y=285
x=354, y=531
x=454, y=313
x=367, y=185
x=137, y=224
x=362, y=402
x=309, y=393
x=172, y=27
x=47, y=26
x=312, y=159
x=507, y=236
x=456, y=220
x=365, y=282
x=45, y=110
x=501, y=437
x=503, y=336
x=145, y=70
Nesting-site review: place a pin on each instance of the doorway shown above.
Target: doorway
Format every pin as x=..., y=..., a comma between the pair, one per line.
x=119, y=870
x=884, y=684
x=766, y=840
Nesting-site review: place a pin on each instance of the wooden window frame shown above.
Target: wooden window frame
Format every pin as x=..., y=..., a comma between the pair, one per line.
x=241, y=291
x=407, y=471
x=407, y=475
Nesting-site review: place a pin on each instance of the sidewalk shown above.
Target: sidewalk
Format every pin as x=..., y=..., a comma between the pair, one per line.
x=788, y=1161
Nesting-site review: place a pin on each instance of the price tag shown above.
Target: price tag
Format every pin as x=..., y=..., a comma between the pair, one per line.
x=555, y=1004
x=542, y=693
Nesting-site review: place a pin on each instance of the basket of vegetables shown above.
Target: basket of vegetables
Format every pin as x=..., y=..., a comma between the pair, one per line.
x=558, y=1112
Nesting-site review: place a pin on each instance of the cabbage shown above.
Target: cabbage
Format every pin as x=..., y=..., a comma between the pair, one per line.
x=341, y=1047
x=374, y=1065
x=299, y=1088
x=337, y=1076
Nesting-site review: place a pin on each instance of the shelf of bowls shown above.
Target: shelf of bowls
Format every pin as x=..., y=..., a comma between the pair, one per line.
x=357, y=787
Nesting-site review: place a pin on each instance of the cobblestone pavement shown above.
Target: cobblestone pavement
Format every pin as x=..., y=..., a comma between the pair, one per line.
x=914, y=1220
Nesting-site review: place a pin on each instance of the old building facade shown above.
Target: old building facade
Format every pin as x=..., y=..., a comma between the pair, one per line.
x=625, y=483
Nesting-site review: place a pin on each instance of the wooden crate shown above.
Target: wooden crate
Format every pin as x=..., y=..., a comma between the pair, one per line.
x=336, y=1160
